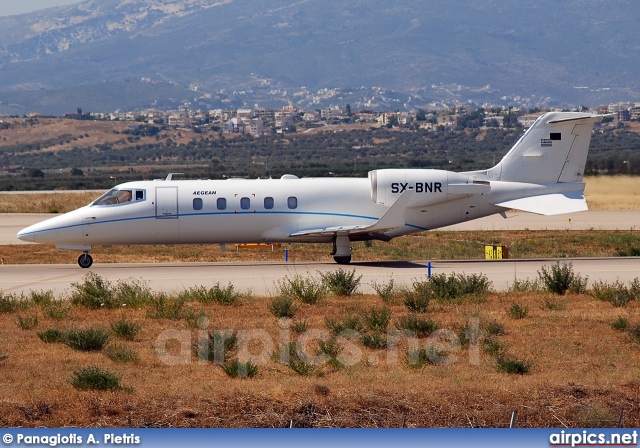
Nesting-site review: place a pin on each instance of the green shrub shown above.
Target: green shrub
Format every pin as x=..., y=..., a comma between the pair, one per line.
x=307, y=290
x=52, y=335
x=328, y=347
x=121, y=353
x=195, y=319
x=494, y=328
x=58, y=310
x=165, y=307
x=216, y=294
x=512, y=365
x=341, y=282
x=94, y=292
x=387, y=292
x=417, y=325
x=631, y=252
x=615, y=293
x=237, y=369
x=283, y=306
x=95, y=378
x=525, y=285
x=424, y=356
x=125, y=329
x=299, y=326
x=87, y=339
x=492, y=346
x=350, y=322
x=331, y=349
x=41, y=298
x=457, y=286
x=375, y=341
x=517, y=311
x=620, y=324
x=560, y=279
x=28, y=322
x=297, y=364
x=553, y=304
x=377, y=319
x=132, y=293
x=417, y=299
x=220, y=347
x=10, y=303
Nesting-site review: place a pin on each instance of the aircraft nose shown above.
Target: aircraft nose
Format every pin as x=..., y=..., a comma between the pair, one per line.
x=24, y=235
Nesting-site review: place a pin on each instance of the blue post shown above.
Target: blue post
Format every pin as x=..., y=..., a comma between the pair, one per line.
x=428, y=269
x=286, y=255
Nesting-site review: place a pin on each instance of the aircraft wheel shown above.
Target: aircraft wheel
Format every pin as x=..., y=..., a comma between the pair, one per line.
x=85, y=261
x=343, y=260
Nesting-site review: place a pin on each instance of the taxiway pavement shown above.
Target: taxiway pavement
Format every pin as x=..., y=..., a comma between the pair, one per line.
x=262, y=278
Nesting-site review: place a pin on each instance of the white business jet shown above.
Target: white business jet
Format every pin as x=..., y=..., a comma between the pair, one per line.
x=541, y=174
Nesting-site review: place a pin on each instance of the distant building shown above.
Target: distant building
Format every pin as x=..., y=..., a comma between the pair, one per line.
x=311, y=116
x=283, y=121
x=235, y=125
x=245, y=113
x=255, y=126
x=405, y=119
x=528, y=120
x=179, y=121
x=386, y=118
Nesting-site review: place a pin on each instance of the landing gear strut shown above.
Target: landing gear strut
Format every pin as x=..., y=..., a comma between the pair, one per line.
x=342, y=249
x=85, y=260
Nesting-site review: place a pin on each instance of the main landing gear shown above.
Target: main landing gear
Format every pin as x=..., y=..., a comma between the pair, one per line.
x=85, y=260
x=342, y=249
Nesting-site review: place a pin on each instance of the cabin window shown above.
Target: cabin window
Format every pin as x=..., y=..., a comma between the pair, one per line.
x=245, y=203
x=268, y=203
x=114, y=196
x=221, y=203
x=197, y=204
x=292, y=202
x=139, y=195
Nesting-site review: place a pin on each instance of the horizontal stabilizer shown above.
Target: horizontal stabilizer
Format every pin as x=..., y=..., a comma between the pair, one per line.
x=392, y=218
x=549, y=204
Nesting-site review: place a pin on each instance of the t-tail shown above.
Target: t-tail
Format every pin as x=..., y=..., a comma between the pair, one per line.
x=542, y=173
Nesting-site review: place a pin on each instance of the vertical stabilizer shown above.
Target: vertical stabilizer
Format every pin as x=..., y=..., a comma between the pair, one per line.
x=553, y=150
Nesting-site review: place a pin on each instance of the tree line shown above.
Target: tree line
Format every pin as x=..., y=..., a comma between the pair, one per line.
x=338, y=152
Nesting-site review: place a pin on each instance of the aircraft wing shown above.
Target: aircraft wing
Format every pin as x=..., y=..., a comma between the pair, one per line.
x=391, y=219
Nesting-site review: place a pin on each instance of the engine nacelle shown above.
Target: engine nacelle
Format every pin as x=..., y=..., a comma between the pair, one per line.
x=429, y=187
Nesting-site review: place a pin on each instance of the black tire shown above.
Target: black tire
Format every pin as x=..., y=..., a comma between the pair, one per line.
x=85, y=261
x=343, y=260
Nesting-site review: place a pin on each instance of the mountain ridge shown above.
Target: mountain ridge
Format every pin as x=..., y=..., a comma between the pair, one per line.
x=538, y=52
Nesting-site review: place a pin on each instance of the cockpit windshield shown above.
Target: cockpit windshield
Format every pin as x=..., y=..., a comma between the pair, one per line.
x=116, y=196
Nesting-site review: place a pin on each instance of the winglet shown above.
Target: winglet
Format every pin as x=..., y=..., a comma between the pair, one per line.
x=394, y=216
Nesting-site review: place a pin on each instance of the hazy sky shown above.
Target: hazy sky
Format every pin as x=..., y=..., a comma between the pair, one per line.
x=13, y=7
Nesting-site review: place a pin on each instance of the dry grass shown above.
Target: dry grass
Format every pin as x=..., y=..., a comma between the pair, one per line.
x=613, y=192
x=579, y=363
x=59, y=134
x=436, y=245
x=45, y=203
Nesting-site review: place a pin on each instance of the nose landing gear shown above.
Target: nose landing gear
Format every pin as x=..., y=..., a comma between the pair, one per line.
x=85, y=260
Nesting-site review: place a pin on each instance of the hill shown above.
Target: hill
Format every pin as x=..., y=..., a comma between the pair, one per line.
x=535, y=53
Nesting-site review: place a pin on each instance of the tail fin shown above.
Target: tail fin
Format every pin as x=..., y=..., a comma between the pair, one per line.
x=553, y=150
